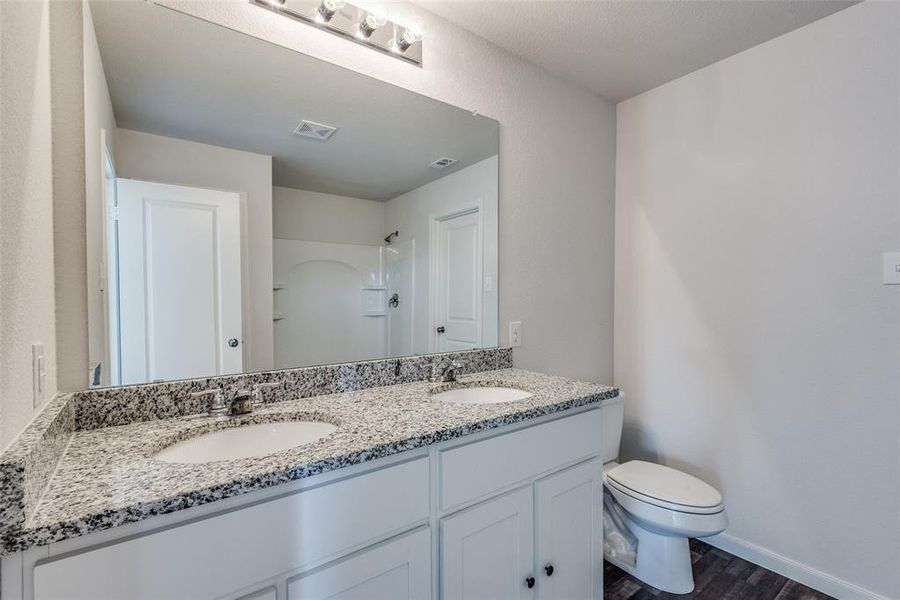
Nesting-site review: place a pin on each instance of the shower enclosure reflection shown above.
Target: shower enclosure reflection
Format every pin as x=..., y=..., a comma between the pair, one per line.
x=251, y=208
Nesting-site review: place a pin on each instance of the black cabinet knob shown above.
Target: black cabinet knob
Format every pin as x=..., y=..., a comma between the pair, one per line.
x=529, y=582
x=548, y=570
x=441, y=329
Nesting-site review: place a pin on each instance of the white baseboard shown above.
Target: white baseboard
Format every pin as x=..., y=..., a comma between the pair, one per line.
x=808, y=576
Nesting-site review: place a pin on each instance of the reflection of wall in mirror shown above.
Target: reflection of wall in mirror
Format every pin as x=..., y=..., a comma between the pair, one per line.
x=99, y=122
x=351, y=227
x=330, y=278
x=181, y=162
x=412, y=214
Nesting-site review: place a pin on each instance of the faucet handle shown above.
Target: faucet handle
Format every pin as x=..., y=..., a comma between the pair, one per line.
x=217, y=407
x=257, y=391
x=445, y=373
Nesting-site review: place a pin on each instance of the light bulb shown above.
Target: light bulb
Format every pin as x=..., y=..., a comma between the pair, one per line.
x=375, y=18
x=412, y=34
x=327, y=9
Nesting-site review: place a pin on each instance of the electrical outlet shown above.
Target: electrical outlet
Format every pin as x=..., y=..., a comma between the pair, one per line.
x=38, y=374
x=515, y=334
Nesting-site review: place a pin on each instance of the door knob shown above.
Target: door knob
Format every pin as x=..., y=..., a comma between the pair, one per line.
x=233, y=343
x=441, y=329
x=529, y=581
x=548, y=570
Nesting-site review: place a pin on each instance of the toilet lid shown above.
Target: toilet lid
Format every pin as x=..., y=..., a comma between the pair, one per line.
x=665, y=484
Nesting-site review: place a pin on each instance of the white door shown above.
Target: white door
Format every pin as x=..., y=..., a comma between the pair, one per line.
x=179, y=264
x=487, y=551
x=569, y=513
x=397, y=570
x=458, y=290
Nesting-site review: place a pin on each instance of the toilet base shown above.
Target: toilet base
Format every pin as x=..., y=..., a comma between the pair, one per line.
x=663, y=561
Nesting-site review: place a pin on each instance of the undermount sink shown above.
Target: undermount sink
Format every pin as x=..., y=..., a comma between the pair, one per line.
x=481, y=395
x=245, y=442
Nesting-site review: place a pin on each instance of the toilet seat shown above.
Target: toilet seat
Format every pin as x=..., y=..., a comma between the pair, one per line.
x=665, y=488
x=670, y=522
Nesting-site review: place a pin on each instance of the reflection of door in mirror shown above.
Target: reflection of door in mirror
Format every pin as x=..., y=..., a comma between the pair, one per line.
x=179, y=291
x=458, y=280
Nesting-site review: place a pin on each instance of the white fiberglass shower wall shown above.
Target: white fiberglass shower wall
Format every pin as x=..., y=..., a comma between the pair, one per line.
x=330, y=303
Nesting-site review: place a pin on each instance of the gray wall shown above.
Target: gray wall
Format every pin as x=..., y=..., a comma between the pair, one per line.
x=318, y=217
x=756, y=343
x=26, y=209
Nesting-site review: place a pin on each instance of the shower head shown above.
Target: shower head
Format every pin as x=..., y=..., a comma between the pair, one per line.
x=391, y=236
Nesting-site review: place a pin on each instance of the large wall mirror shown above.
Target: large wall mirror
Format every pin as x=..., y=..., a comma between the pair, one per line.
x=252, y=208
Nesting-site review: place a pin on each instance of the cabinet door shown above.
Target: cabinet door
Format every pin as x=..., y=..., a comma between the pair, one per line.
x=396, y=570
x=569, y=508
x=487, y=551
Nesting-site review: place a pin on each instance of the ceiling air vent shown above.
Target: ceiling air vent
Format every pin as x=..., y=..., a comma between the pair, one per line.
x=313, y=130
x=443, y=162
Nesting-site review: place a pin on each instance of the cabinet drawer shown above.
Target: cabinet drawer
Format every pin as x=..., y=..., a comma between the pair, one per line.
x=216, y=556
x=475, y=470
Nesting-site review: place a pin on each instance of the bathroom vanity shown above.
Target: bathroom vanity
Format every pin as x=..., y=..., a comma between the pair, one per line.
x=409, y=497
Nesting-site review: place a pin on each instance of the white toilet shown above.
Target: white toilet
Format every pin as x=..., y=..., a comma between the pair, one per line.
x=661, y=507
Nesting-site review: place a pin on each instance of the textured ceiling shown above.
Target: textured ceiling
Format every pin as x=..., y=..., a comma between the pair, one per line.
x=619, y=48
x=175, y=75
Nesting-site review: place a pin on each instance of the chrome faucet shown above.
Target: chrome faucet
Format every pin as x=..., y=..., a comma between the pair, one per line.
x=446, y=374
x=217, y=406
x=258, y=398
x=241, y=404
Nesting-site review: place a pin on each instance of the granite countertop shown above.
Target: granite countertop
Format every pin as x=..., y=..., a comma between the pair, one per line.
x=106, y=477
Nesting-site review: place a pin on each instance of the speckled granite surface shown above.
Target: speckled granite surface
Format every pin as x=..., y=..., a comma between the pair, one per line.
x=106, y=477
x=107, y=407
x=28, y=464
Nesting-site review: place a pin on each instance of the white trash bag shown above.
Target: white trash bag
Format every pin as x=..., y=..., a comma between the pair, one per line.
x=619, y=544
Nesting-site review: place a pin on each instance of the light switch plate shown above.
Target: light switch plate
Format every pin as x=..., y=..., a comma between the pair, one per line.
x=515, y=334
x=38, y=374
x=891, y=268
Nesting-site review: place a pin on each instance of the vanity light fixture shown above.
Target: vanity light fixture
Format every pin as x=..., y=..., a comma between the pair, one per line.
x=366, y=24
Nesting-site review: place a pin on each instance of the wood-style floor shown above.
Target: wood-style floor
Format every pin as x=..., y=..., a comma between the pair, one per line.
x=717, y=576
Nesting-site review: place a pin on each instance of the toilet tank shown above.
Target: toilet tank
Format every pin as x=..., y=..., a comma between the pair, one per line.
x=612, y=417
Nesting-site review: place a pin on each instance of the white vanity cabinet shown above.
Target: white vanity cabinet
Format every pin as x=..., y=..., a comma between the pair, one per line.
x=542, y=540
x=468, y=519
